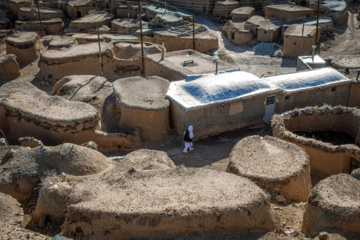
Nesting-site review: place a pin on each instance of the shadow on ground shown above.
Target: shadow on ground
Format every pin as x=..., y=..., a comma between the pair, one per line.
x=211, y=152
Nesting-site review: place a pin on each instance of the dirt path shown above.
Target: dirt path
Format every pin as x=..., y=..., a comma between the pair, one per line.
x=212, y=152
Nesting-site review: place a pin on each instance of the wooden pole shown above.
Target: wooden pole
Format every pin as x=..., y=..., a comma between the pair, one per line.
x=142, y=43
x=100, y=57
x=193, y=18
x=41, y=27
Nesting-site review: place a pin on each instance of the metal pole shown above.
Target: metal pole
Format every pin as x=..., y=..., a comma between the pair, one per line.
x=313, y=52
x=317, y=21
x=142, y=44
x=193, y=26
x=41, y=27
x=100, y=58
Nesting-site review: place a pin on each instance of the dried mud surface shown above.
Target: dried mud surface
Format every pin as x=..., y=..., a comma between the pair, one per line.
x=25, y=100
x=267, y=158
x=12, y=232
x=10, y=211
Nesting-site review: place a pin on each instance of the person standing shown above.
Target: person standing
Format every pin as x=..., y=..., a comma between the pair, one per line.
x=188, y=138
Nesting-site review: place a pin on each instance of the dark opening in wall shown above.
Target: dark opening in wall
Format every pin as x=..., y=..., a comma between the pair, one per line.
x=333, y=89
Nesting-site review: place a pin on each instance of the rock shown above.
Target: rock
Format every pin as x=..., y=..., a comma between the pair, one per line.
x=289, y=230
x=91, y=145
x=280, y=199
x=323, y=235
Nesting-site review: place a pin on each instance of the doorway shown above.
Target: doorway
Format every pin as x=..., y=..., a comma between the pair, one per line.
x=270, y=108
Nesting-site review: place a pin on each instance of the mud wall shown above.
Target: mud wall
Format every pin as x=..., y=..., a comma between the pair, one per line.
x=32, y=14
x=16, y=126
x=333, y=95
x=84, y=26
x=86, y=66
x=292, y=45
x=9, y=68
x=123, y=11
x=125, y=28
x=153, y=124
x=266, y=35
x=127, y=66
x=154, y=69
x=325, y=159
x=214, y=119
x=298, y=188
x=202, y=6
x=354, y=98
x=333, y=205
x=24, y=54
x=339, y=18
x=175, y=43
x=72, y=11
x=160, y=224
x=178, y=117
x=238, y=37
x=287, y=15
x=53, y=26
x=20, y=189
x=224, y=9
x=114, y=142
x=16, y=5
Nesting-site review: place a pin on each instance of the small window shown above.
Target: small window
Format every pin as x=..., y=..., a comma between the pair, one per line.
x=294, y=43
x=232, y=36
x=265, y=32
x=287, y=97
x=333, y=89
